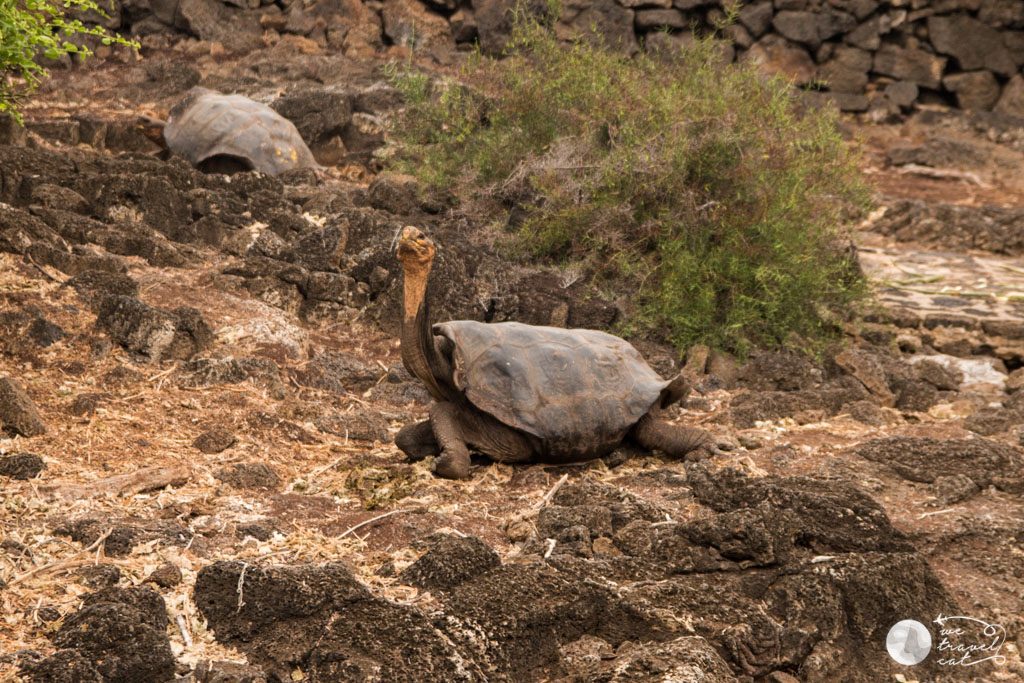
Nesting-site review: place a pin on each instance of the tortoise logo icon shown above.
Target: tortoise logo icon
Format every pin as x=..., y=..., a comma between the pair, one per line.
x=909, y=642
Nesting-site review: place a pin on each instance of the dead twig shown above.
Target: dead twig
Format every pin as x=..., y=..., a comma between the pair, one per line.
x=241, y=587
x=42, y=270
x=551, y=493
x=140, y=481
x=183, y=629
x=74, y=560
x=369, y=521
x=529, y=514
x=161, y=375
x=329, y=466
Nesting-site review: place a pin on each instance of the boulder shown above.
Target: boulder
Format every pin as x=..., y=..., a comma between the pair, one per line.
x=20, y=231
x=11, y=132
x=317, y=113
x=1011, y=101
x=63, y=666
x=249, y=475
x=984, y=461
x=44, y=332
x=338, y=372
x=1014, y=41
x=1002, y=13
x=93, y=285
x=396, y=193
x=603, y=22
x=768, y=573
x=322, y=249
x=849, y=101
x=322, y=620
x=832, y=23
x=123, y=633
x=1015, y=382
x=972, y=43
x=155, y=333
x=915, y=395
x=410, y=23
x=800, y=27
x=867, y=36
x=494, y=21
x=858, y=8
x=975, y=90
x=651, y=19
x=450, y=561
x=21, y=465
x=167, y=575
x=18, y=414
x=776, y=57
x=902, y=93
x=944, y=377
x=689, y=658
x=215, y=440
x=847, y=71
x=464, y=28
x=916, y=66
x=756, y=17
x=212, y=21
x=954, y=226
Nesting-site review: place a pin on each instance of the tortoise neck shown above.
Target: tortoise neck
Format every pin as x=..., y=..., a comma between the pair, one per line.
x=419, y=355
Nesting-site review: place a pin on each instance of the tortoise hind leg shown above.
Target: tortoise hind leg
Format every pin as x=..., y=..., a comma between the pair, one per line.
x=458, y=428
x=676, y=441
x=417, y=441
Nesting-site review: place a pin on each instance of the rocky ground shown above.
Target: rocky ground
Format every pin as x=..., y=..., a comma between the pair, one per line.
x=201, y=382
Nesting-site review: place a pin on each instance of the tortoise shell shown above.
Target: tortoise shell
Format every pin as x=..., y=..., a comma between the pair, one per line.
x=216, y=132
x=578, y=391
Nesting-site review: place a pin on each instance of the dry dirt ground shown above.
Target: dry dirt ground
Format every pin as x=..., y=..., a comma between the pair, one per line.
x=222, y=487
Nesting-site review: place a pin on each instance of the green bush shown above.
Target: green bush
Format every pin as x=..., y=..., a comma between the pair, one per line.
x=30, y=29
x=699, y=190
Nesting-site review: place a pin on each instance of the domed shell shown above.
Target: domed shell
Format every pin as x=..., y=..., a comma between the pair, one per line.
x=578, y=391
x=207, y=126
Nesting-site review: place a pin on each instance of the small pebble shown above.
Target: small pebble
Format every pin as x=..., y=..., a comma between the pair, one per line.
x=215, y=440
x=166, y=575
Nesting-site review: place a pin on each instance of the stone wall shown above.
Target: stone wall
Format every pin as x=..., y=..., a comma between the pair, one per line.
x=881, y=56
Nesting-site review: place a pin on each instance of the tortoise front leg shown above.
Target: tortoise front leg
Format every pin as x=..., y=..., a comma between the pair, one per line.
x=677, y=441
x=446, y=423
x=417, y=441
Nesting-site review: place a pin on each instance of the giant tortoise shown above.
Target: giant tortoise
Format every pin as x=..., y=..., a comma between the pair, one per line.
x=522, y=393
x=229, y=133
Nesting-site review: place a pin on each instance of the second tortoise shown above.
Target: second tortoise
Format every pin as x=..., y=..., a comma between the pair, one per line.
x=230, y=133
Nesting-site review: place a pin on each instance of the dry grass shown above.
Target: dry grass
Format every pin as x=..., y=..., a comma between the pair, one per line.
x=150, y=421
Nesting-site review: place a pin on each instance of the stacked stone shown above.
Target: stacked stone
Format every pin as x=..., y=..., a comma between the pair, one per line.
x=868, y=55
x=883, y=55
x=895, y=52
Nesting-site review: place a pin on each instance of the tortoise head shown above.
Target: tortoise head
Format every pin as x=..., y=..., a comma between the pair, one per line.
x=152, y=127
x=415, y=248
